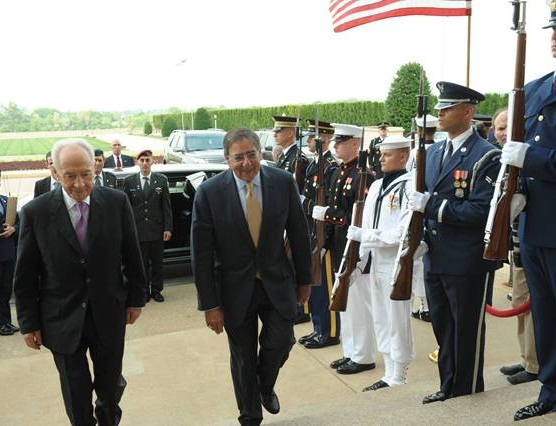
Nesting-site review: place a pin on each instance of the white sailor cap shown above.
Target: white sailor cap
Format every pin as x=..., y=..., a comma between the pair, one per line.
x=430, y=122
x=394, y=142
x=343, y=132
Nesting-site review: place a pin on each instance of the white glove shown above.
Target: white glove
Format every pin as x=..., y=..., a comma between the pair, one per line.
x=513, y=153
x=516, y=206
x=418, y=201
x=322, y=253
x=354, y=233
x=319, y=212
x=355, y=276
x=419, y=252
x=302, y=198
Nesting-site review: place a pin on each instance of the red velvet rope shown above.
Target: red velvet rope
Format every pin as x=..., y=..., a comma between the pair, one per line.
x=505, y=313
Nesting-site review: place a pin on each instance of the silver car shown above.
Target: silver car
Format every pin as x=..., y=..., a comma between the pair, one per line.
x=194, y=147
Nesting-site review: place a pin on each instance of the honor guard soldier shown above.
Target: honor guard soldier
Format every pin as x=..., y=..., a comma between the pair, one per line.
x=459, y=180
x=326, y=323
x=357, y=332
x=537, y=228
x=374, y=149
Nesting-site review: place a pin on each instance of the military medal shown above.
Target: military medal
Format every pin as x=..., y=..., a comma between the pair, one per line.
x=392, y=201
x=348, y=182
x=315, y=179
x=459, y=193
x=464, y=173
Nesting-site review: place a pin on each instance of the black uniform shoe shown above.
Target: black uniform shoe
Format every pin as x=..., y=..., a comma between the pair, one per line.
x=321, y=342
x=533, y=410
x=522, y=377
x=352, y=367
x=301, y=318
x=435, y=397
x=415, y=314
x=338, y=362
x=303, y=339
x=5, y=330
x=375, y=386
x=270, y=402
x=13, y=327
x=157, y=297
x=425, y=316
x=510, y=370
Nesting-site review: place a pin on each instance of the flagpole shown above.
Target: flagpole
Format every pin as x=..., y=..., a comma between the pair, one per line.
x=468, y=47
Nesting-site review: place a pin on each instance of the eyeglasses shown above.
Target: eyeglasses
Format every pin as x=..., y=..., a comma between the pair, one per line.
x=240, y=158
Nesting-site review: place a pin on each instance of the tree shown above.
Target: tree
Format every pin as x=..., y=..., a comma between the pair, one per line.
x=168, y=126
x=148, y=128
x=401, y=103
x=202, y=119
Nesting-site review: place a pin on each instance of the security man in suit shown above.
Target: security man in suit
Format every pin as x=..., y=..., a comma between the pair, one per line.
x=242, y=272
x=101, y=177
x=150, y=198
x=459, y=181
x=374, y=149
x=49, y=183
x=8, y=244
x=357, y=330
x=286, y=131
x=537, y=229
x=326, y=323
x=118, y=160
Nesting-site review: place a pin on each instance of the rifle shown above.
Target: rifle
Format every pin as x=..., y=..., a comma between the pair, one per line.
x=300, y=166
x=498, y=226
x=350, y=257
x=318, y=225
x=413, y=232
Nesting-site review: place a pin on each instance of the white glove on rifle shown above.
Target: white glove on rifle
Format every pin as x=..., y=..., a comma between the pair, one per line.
x=419, y=252
x=513, y=153
x=516, y=206
x=357, y=273
x=319, y=212
x=418, y=201
x=354, y=233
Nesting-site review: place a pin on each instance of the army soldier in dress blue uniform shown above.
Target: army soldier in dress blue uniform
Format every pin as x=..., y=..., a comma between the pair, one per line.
x=374, y=149
x=459, y=182
x=537, y=228
x=326, y=323
x=285, y=133
x=358, y=343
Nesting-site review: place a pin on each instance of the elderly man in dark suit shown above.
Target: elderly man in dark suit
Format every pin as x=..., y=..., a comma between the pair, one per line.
x=101, y=177
x=242, y=271
x=150, y=198
x=459, y=182
x=118, y=160
x=48, y=183
x=76, y=244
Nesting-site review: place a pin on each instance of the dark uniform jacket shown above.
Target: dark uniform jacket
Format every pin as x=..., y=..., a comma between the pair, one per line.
x=152, y=211
x=456, y=213
x=108, y=179
x=288, y=162
x=7, y=245
x=127, y=161
x=42, y=186
x=374, y=157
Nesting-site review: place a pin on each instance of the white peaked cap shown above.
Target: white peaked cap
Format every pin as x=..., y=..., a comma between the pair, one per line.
x=347, y=130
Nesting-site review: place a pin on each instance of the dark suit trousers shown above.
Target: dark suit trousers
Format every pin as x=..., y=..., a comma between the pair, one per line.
x=325, y=321
x=77, y=385
x=540, y=270
x=253, y=373
x=152, y=252
x=6, y=288
x=457, y=311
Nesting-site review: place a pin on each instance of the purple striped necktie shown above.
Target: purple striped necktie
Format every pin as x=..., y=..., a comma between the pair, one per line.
x=81, y=225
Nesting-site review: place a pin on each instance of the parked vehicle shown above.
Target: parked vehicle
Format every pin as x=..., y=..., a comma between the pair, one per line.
x=194, y=146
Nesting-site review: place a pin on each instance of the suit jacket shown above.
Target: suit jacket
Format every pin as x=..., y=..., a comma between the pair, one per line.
x=7, y=245
x=55, y=281
x=457, y=211
x=152, y=211
x=127, y=161
x=224, y=257
x=108, y=179
x=537, y=226
x=42, y=186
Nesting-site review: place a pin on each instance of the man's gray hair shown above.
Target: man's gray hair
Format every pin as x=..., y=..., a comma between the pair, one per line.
x=240, y=134
x=63, y=143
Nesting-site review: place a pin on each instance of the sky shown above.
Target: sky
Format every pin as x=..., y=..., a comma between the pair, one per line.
x=116, y=55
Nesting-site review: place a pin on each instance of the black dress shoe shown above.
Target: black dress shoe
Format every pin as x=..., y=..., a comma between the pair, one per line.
x=521, y=377
x=303, y=339
x=13, y=327
x=416, y=315
x=510, y=370
x=425, y=316
x=321, y=342
x=270, y=402
x=301, y=318
x=375, y=386
x=352, y=367
x=157, y=297
x=533, y=410
x=6, y=330
x=338, y=362
x=435, y=397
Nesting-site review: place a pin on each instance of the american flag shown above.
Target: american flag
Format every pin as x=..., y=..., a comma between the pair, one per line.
x=347, y=14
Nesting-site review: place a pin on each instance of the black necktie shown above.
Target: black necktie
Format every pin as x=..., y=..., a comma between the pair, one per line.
x=118, y=162
x=97, y=180
x=146, y=186
x=447, y=153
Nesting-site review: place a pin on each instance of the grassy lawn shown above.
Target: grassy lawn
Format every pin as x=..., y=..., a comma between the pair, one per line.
x=15, y=147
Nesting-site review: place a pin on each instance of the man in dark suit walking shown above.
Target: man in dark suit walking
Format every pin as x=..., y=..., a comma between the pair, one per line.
x=101, y=177
x=48, y=183
x=71, y=296
x=118, y=160
x=150, y=198
x=242, y=271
